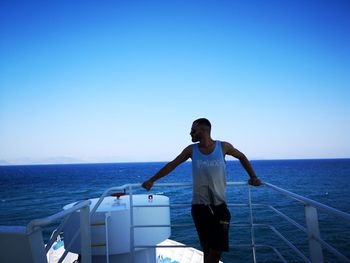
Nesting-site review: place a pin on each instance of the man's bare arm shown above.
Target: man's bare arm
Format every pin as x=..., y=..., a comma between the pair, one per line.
x=182, y=157
x=230, y=150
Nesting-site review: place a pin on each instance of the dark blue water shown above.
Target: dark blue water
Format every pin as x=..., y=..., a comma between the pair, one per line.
x=35, y=191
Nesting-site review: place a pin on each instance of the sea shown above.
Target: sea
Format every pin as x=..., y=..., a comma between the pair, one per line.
x=29, y=192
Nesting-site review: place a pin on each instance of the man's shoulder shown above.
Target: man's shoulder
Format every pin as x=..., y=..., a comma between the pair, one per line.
x=187, y=152
x=189, y=148
x=226, y=145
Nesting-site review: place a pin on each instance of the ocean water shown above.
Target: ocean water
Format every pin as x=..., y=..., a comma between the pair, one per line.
x=35, y=191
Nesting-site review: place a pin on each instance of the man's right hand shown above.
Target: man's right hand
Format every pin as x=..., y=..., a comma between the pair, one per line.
x=255, y=181
x=147, y=185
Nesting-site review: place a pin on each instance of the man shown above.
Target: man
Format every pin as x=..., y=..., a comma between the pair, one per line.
x=209, y=210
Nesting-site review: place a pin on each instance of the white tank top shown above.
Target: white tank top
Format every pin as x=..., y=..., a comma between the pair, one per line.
x=209, y=176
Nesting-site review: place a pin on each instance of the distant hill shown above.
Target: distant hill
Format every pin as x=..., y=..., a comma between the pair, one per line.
x=51, y=160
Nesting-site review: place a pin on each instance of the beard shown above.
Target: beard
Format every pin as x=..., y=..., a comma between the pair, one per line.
x=195, y=139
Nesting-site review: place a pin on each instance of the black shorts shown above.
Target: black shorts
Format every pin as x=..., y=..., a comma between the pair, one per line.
x=212, y=224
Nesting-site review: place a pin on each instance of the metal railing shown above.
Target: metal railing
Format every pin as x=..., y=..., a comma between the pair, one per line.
x=315, y=243
x=84, y=230
x=312, y=225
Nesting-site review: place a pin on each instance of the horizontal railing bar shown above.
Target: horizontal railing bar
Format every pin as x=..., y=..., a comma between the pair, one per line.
x=320, y=240
x=53, y=218
x=190, y=184
x=290, y=244
x=304, y=200
x=288, y=193
x=300, y=227
x=126, y=186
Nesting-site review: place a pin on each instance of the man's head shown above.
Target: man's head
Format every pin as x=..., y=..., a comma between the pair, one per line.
x=199, y=128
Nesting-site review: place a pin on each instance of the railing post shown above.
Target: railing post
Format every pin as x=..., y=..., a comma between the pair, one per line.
x=107, y=216
x=313, y=231
x=132, y=230
x=252, y=234
x=85, y=234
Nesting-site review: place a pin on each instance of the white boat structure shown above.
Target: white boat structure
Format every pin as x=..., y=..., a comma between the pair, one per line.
x=135, y=228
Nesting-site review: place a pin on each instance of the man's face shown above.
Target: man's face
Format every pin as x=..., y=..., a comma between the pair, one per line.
x=196, y=132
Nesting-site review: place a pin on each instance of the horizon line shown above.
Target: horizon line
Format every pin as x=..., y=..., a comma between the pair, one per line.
x=137, y=162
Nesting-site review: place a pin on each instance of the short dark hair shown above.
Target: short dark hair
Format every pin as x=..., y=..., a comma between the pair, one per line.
x=203, y=122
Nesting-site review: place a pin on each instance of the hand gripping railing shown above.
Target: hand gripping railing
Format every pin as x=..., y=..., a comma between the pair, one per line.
x=84, y=230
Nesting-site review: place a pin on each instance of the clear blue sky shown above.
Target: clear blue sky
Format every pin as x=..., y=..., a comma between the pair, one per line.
x=114, y=81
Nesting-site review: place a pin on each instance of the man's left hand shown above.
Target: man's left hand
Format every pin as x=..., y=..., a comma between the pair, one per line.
x=255, y=181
